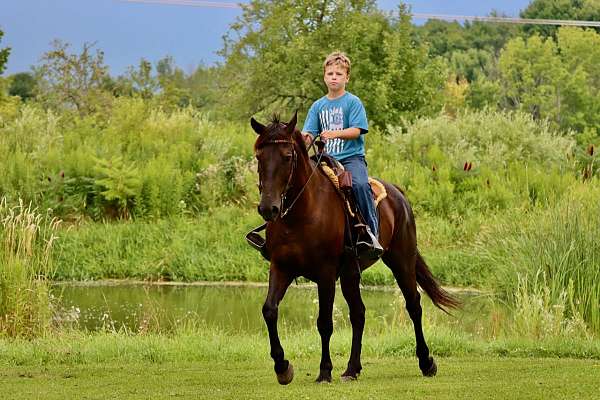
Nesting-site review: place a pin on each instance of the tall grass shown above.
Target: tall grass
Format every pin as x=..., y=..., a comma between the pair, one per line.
x=552, y=258
x=26, y=239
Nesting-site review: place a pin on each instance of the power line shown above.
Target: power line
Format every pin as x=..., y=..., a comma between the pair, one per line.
x=442, y=17
x=190, y=3
x=564, y=22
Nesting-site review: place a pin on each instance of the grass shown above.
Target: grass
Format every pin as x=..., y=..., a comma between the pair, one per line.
x=197, y=362
x=202, y=344
x=552, y=259
x=383, y=378
x=26, y=239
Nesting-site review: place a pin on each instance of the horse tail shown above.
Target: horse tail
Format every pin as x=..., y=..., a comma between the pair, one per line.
x=440, y=297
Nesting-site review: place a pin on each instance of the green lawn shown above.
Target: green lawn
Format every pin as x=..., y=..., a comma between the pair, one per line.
x=382, y=378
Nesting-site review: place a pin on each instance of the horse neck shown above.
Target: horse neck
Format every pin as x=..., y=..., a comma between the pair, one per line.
x=304, y=177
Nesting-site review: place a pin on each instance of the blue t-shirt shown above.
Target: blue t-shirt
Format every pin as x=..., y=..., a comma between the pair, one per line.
x=347, y=111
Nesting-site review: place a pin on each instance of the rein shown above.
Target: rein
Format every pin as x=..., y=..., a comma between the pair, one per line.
x=288, y=185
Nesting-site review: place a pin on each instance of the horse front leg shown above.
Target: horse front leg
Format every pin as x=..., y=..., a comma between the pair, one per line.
x=278, y=284
x=350, y=282
x=325, y=326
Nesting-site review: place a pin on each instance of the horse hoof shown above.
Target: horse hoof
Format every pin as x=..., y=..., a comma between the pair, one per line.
x=286, y=377
x=431, y=370
x=349, y=378
x=324, y=378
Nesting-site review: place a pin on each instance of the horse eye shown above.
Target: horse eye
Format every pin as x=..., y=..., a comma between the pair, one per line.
x=287, y=157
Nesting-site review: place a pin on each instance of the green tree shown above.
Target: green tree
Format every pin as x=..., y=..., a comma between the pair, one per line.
x=173, y=83
x=472, y=50
x=532, y=76
x=4, y=53
x=585, y=10
x=143, y=82
x=274, y=54
x=443, y=37
x=22, y=84
x=580, y=53
x=555, y=79
x=204, y=87
x=73, y=81
x=489, y=36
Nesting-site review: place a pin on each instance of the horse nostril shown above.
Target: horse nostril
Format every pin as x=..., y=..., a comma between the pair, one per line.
x=275, y=210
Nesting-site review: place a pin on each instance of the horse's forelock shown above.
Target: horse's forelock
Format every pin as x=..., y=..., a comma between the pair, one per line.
x=278, y=130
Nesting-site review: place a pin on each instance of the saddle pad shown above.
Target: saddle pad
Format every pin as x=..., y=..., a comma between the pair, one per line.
x=379, y=192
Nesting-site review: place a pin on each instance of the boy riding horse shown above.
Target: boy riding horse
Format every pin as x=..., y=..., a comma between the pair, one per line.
x=340, y=119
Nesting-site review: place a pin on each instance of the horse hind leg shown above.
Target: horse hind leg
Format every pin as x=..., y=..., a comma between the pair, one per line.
x=403, y=267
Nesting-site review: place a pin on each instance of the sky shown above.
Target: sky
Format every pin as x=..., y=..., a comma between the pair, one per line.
x=127, y=32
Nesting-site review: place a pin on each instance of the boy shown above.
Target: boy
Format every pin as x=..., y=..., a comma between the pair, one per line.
x=341, y=120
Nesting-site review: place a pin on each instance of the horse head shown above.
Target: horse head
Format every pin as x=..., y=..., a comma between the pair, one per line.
x=276, y=150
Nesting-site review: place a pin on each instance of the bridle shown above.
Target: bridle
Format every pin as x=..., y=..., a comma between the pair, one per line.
x=288, y=185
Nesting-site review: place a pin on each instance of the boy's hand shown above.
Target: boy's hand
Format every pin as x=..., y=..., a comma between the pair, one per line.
x=308, y=139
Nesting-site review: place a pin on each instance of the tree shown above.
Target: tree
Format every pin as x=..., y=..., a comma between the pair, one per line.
x=443, y=37
x=491, y=37
x=4, y=53
x=585, y=10
x=173, y=83
x=274, y=54
x=143, y=82
x=555, y=79
x=73, y=81
x=22, y=84
x=532, y=75
x=580, y=54
x=204, y=87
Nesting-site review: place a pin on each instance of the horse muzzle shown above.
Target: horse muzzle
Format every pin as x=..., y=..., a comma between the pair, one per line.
x=269, y=211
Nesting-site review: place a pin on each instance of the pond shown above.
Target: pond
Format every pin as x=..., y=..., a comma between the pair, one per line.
x=135, y=307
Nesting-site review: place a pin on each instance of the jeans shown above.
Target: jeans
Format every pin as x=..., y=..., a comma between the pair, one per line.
x=362, y=190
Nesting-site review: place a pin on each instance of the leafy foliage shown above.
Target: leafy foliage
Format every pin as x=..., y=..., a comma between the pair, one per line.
x=4, y=53
x=555, y=79
x=585, y=10
x=23, y=85
x=73, y=81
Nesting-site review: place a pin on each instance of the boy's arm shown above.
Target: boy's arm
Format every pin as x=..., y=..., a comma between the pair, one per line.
x=344, y=134
x=311, y=126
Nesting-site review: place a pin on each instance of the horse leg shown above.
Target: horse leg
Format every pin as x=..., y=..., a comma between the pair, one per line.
x=326, y=291
x=278, y=284
x=350, y=281
x=403, y=267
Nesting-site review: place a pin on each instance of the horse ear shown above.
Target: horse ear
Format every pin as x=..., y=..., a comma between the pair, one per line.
x=257, y=126
x=292, y=124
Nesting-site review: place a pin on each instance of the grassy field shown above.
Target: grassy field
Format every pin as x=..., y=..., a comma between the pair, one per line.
x=383, y=378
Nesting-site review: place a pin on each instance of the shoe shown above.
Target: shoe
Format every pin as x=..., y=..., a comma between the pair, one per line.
x=370, y=248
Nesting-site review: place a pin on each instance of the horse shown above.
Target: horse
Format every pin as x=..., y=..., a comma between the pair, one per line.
x=305, y=231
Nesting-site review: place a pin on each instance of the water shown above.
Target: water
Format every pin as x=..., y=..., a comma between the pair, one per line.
x=236, y=308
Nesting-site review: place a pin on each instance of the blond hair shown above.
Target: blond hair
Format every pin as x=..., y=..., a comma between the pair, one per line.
x=338, y=58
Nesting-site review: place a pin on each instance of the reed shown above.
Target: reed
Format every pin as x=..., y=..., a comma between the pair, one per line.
x=26, y=240
x=550, y=260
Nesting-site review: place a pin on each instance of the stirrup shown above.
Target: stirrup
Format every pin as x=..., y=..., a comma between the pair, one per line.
x=369, y=249
x=258, y=242
x=255, y=240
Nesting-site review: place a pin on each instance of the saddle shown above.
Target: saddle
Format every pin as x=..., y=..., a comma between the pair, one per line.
x=342, y=181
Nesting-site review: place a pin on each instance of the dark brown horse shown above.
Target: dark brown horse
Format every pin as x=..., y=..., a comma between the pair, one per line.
x=305, y=237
